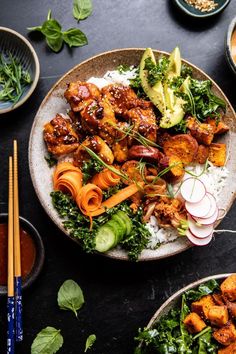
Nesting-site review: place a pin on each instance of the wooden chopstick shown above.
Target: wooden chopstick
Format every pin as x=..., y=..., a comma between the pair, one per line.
x=17, y=250
x=10, y=291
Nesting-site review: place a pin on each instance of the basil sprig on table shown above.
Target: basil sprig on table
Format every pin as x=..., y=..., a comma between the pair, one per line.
x=47, y=341
x=82, y=9
x=55, y=37
x=89, y=342
x=70, y=296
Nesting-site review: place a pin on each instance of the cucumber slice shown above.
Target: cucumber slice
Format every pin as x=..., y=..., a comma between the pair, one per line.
x=127, y=221
x=116, y=228
x=105, y=239
x=122, y=224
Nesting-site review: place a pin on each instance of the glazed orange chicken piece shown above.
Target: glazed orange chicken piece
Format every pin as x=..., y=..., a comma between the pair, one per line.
x=79, y=94
x=98, y=118
x=96, y=144
x=144, y=121
x=60, y=137
x=123, y=98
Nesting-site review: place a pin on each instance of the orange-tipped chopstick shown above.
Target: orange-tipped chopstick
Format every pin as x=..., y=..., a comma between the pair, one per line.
x=10, y=299
x=17, y=250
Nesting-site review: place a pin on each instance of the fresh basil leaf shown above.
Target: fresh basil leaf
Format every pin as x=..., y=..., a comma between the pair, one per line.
x=70, y=296
x=51, y=28
x=89, y=342
x=82, y=9
x=47, y=341
x=55, y=43
x=75, y=37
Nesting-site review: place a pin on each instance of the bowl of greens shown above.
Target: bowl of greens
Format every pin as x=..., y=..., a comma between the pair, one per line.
x=199, y=318
x=19, y=69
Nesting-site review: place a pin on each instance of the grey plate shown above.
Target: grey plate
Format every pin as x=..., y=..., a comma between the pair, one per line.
x=192, y=11
x=20, y=47
x=231, y=29
x=54, y=103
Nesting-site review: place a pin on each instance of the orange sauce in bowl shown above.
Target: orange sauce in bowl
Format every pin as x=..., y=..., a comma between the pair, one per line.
x=233, y=46
x=28, y=253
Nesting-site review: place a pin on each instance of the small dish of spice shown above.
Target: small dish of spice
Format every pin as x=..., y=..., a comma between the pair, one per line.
x=230, y=45
x=202, y=8
x=32, y=253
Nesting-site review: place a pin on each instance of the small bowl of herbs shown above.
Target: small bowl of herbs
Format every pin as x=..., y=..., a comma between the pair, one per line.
x=19, y=69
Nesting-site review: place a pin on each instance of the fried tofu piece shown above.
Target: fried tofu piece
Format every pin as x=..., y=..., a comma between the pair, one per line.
x=217, y=154
x=226, y=335
x=218, y=315
x=202, y=306
x=60, y=136
x=219, y=127
x=231, y=349
x=183, y=146
x=228, y=287
x=79, y=93
x=194, y=323
x=202, y=154
x=202, y=132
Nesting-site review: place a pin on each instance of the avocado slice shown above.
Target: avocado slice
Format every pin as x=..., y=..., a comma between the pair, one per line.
x=155, y=93
x=174, y=68
x=174, y=116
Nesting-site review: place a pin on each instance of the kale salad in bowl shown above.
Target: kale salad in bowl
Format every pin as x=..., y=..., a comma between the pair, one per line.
x=199, y=318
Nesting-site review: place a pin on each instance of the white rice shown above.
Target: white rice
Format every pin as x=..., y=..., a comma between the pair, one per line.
x=214, y=177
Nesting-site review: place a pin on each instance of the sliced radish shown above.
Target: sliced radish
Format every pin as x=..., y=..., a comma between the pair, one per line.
x=199, y=231
x=199, y=241
x=208, y=221
x=193, y=190
x=199, y=209
x=213, y=206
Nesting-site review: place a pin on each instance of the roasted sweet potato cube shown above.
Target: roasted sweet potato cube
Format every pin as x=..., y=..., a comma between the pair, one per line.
x=194, y=323
x=226, y=334
x=219, y=127
x=202, y=132
x=228, y=287
x=184, y=146
x=217, y=154
x=202, y=154
x=202, y=306
x=231, y=349
x=218, y=315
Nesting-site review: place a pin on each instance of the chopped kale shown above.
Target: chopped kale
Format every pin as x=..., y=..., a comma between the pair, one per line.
x=89, y=168
x=156, y=72
x=122, y=68
x=51, y=160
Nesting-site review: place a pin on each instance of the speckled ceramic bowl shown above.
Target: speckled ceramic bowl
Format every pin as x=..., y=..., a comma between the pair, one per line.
x=228, y=52
x=54, y=103
x=40, y=252
x=13, y=42
x=175, y=300
x=192, y=11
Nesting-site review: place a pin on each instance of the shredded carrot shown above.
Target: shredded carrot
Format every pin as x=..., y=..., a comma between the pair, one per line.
x=62, y=168
x=117, y=198
x=106, y=179
x=89, y=199
x=69, y=182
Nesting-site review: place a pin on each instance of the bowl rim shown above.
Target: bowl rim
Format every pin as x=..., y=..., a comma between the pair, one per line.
x=37, y=69
x=204, y=14
x=231, y=29
x=178, y=293
x=40, y=254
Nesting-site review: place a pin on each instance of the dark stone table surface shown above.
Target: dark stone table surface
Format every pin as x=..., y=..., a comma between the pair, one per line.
x=120, y=297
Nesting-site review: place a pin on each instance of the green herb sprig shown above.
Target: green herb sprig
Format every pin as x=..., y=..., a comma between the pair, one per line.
x=55, y=37
x=13, y=78
x=89, y=342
